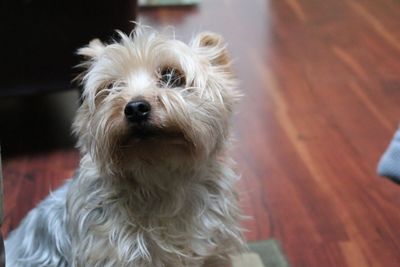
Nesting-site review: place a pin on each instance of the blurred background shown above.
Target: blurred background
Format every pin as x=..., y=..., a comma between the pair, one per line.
x=321, y=81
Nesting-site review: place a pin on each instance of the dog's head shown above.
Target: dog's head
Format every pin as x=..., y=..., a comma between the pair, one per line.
x=149, y=98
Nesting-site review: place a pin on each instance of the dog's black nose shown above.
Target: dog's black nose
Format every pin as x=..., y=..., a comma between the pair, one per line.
x=137, y=111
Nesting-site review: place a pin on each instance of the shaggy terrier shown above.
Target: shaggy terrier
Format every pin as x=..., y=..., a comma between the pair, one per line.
x=155, y=186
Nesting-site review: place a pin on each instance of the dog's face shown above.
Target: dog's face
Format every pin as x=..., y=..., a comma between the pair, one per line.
x=148, y=99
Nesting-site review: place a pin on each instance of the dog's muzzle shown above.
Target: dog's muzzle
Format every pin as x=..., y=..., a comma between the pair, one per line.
x=137, y=113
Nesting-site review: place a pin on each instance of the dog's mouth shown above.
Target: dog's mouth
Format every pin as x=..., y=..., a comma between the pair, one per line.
x=148, y=132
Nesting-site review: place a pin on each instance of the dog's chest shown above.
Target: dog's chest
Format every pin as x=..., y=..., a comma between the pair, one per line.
x=123, y=239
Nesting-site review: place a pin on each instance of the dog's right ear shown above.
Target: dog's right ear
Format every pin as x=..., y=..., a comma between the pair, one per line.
x=93, y=50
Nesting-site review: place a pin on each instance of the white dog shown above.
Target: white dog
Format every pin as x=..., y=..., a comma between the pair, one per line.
x=155, y=187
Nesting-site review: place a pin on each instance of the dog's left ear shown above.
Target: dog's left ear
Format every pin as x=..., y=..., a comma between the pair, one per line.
x=213, y=46
x=93, y=50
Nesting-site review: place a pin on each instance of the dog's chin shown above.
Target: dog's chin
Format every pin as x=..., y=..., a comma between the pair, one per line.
x=146, y=134
x=151, y=142
x=152, y=146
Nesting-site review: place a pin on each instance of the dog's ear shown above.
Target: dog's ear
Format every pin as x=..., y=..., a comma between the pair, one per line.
x=213, y=46
x=93, y=50
x=91, y=53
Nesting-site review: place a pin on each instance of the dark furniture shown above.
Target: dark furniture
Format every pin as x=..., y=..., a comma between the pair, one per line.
x=40, y=37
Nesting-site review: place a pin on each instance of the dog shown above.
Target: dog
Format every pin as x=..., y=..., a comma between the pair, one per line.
x=155, y=185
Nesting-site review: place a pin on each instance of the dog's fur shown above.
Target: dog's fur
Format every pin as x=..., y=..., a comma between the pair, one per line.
x=161, y=198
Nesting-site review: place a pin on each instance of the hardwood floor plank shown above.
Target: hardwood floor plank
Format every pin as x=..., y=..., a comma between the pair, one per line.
x=376, y=25
x=28, y=179
x=297, y=9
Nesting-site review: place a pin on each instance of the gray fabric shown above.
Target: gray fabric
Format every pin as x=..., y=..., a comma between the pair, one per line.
x=270, y=252
x=389, y=165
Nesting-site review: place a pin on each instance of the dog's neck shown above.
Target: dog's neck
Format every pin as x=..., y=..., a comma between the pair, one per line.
x=162, y=189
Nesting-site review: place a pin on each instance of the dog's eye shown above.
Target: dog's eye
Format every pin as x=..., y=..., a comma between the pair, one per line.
x=109, y=85
x=171, y=77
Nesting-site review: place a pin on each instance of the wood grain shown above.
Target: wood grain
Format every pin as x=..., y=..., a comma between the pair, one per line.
x=322, y=90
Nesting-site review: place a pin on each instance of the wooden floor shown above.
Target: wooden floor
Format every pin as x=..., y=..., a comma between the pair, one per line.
x=322, y=86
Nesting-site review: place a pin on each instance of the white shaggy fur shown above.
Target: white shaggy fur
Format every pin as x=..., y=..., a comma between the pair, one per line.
x=163, y=201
